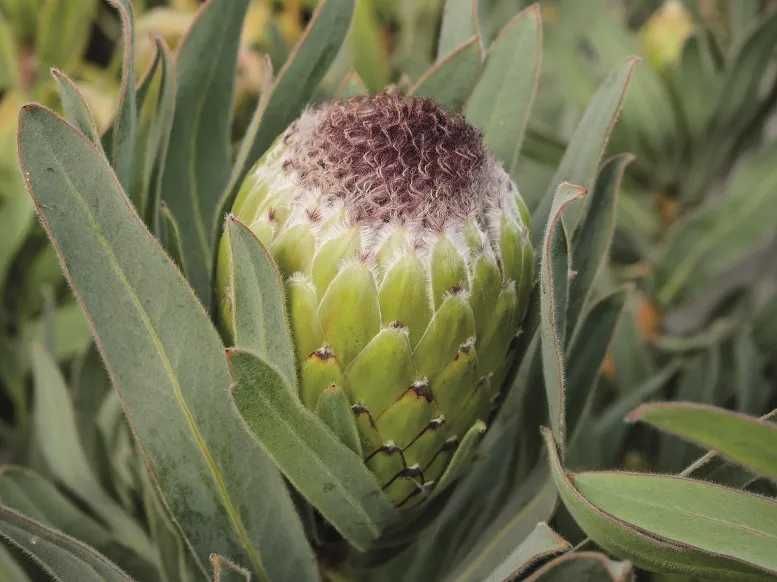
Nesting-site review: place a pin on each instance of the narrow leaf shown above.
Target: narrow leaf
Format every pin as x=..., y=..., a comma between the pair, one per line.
x=163, y=356
x=291, y=91
x=199, y=153
x=33, y=496
x=502, y=99
x=541, y=543
x=62, y=31
x=450, y=80
x=745, y=440
x=259, y=302
x=628, y=541
x=75, y=107
x=587, y=351
x=717, y=520
x=554, y=278
x=592, y=240
x=493, y=539
x=325, y=471
x=462, y=457
x=715, y=238
x=170, y=237
x=28, y=493
x=156, y=110
x=62, y=557
x=368, y=48
x=58, y=439
x=591, y=566
x=745, y=73
x=458, y=24
x=10, y=569
x=124, y=131
x=588, y=143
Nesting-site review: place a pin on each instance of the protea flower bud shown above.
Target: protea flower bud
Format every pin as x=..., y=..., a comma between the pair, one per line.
x=407, y=263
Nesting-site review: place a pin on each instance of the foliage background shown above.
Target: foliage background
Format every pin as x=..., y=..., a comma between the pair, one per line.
x=696, y=226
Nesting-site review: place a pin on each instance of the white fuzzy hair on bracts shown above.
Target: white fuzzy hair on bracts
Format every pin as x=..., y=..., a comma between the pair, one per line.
x=391, y=158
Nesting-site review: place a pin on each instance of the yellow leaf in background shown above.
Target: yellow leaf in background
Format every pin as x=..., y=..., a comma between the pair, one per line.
x=665, y=33
x=255, y=23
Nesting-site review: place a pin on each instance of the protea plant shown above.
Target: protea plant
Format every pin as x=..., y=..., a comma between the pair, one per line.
x=407, y=264
x=327, y=352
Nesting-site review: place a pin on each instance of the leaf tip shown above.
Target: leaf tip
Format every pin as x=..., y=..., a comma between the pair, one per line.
x=636, y=414
x=535, y=11
x=575, y=190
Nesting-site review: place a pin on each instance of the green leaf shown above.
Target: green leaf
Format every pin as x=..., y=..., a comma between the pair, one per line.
x=462, y=458
x=10, y=569
x=259, y=302
x=502, y=99
x=199, y=152
x=26, y=492
x=70, y=332
x=715, y=238
x=591, y=241
x=170, y=237
x=62, y=557
x=745, y=73
x=291, y=90
x=554, y=278
x=469, y=537
x=450, y=80
x=123, y=134
x=58, y=440
x=30, y=494
x=368, y=47
x=721, y=521
x=75, y=107
x=587, y=144
x=540, y=544
x=63, y=32
x=490, y=15
x=586, y=353
x=325, y=471
x=174, y=557
x=91, y=386
x=156, y=112
x=742, y=439
x=624, y=525
x=633, y=357
x=334, y=409
x=351, y=86
x=493, y=541
x=458, y=25
x=164, y=357
x=607, y=430
x=591, y=566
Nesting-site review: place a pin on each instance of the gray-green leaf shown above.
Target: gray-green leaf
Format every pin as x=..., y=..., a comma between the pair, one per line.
x=164, y=357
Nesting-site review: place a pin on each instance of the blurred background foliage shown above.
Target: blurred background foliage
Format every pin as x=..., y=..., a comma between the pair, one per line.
x=696, y=227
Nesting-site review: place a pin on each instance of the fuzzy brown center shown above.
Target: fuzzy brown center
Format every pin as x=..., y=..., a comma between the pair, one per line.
x=390, y=157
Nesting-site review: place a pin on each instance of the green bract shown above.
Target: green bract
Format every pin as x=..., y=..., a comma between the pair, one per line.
x=407, y=265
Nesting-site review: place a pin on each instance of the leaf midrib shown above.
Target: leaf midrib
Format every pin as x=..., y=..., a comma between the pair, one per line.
x=679, y=509
x=212, y=466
